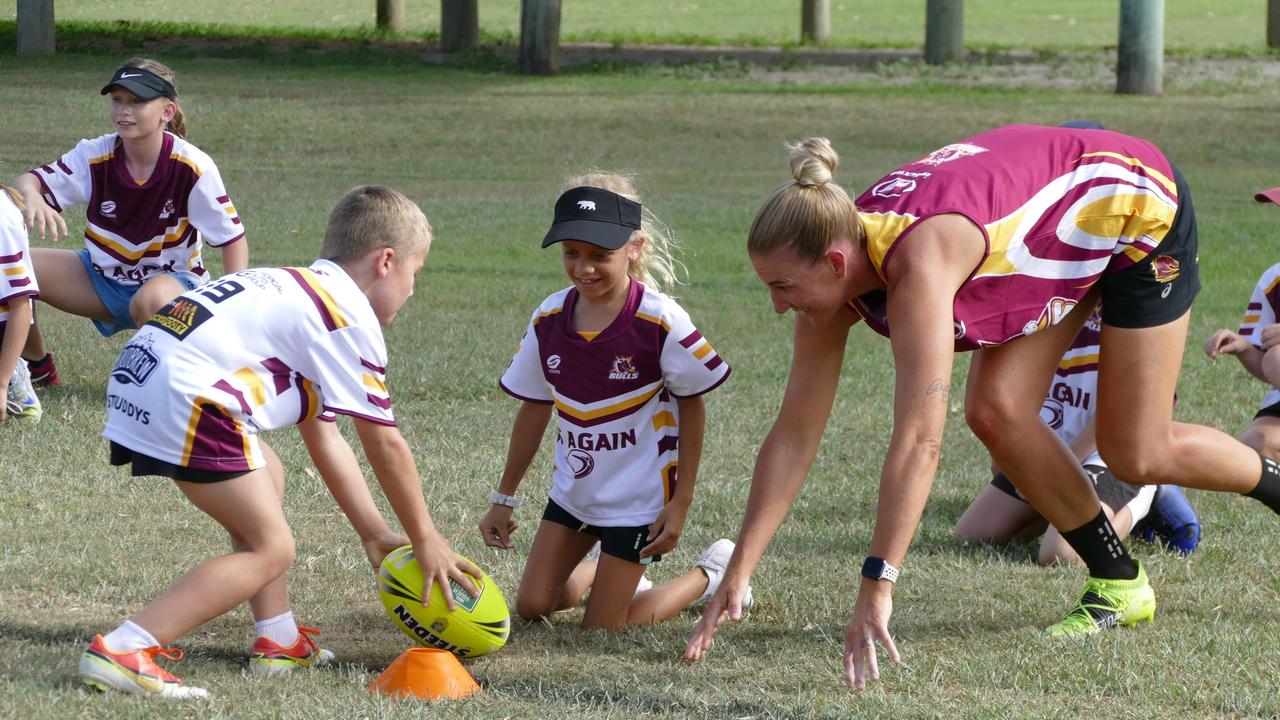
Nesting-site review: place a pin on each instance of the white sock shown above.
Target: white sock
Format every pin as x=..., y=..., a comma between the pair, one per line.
x=281, y=628
x=129, y=637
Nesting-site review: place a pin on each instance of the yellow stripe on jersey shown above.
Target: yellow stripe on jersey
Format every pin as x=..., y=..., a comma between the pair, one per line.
x=589, y=335
x=102, y=158
x=704, y=350
x=134, y=255
x=882, y=230
x=1250, y=319
x=339, y=320
x=14, y=271
x=655, y=320
x=1000, y=237
x=546, y=314
x=375, y=383
x=608, y=409
x=186, y=161
x=250, y=379
x=1127, y=215
x=1272, y=286
x=311, y=399
x=1077, y=361
x=664, y=419
x=668, y=473
x=230, y=209
x=1155, y=174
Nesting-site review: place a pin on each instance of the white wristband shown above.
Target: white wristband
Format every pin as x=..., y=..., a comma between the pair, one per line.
x=497, y=498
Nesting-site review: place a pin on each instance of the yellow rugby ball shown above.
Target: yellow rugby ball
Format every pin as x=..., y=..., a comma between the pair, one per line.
x=479, y=625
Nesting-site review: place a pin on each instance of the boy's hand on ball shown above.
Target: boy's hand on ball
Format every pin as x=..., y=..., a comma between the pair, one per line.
x=496, y=527
x=379, y=546
x=439, y=563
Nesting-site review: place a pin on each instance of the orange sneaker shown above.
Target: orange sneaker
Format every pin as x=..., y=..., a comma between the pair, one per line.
x=134, y=672
x=268, y=658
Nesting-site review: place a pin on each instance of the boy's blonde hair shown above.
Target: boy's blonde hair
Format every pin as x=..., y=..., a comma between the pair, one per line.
x=178, y=125
x=656, y=266
x=810, y=212
x=372, y=217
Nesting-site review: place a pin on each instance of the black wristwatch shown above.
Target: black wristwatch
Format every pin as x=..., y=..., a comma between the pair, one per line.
x=877, y=569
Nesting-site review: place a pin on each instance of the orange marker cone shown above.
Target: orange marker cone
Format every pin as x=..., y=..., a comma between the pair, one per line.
x=427, y=673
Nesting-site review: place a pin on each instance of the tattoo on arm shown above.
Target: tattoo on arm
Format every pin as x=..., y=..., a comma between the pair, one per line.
x=937, y=387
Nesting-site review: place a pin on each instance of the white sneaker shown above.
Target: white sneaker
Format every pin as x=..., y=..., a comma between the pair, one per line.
x=713, y=562
x=21, y=402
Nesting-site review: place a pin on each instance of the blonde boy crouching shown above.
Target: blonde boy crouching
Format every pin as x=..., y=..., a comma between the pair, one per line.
x=259, y=350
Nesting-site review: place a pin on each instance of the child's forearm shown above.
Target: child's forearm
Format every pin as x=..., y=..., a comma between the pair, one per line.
x=340, y=470
x=28, y=185
x=1251, y=359
x=693, y=422
x=393, y=464
x=15, y=336
x=526, y=437
x=235, y=256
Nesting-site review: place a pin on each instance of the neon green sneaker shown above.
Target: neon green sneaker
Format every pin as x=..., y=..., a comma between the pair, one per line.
x=1107, y=603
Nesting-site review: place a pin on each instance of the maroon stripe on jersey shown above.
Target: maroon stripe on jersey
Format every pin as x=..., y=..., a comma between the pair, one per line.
x=714, y=363
x=384, y=403
x=11, y=258
x=713, y=386
x=370, y=418
x=280, y=373
x=223, y=199
x=668, y=443
x=218, y=445
x=4, y=301
x=1252, y=305
x=518, y=396
x=1077, y=369
x=376, y=368
x=227, y=388
x=236, y=220
x=154, y=251
x=20, y=282
x=325, y=315
x=46, y=193
x=63, y=167
x=611, y=417
x=1246, y=330
x=689, y=341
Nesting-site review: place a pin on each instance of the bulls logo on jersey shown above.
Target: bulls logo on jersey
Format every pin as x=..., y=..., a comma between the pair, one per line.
x=167, y=210
x=1165, y=269
x=580, y=463
x=955, y=151
x=623, y=368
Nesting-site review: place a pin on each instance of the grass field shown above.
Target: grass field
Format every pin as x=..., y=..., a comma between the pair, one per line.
x=82, y=546
x=1081, y=24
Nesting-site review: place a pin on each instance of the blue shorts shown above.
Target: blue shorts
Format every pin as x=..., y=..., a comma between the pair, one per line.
x=115, y=296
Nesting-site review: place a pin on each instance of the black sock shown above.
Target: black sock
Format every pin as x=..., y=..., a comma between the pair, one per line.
x=1101, y=550
x=1268, y=490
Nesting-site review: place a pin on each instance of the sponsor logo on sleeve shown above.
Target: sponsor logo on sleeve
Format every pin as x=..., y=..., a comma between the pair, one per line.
x=553, y=365
x=136, y=363
x=180, y=317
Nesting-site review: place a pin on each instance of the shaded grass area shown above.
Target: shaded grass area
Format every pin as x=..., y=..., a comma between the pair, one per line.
x=82, y=545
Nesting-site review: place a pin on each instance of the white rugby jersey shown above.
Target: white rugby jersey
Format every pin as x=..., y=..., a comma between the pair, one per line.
x=255, y=350
x=1072, y=398
x=17, y=277
x=135, y=231
x=618, y=425
x=1261, y=313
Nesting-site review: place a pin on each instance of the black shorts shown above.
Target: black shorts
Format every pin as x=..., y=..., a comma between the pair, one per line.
x=620, y=542
x=1271, y=411
x=1159, y=289
x=145, y=465
x=1111, y=490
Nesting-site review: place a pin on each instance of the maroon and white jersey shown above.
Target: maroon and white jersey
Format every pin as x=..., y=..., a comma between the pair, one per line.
x=618, y=424
x=1071, y=401
x=17, y=277
x=1261, y=313
x=1058, y=208
x=136, y=231
x=251, y=351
